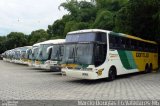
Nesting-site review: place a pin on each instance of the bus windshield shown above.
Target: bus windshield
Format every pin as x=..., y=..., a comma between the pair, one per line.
x=81, y=53
x=17, y=54
x=34, y=53
x=57, y=52
x=42, y=53
x=23, y=55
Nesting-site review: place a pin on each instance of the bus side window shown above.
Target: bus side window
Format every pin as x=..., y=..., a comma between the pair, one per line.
x=136, y=45
x=101, y=37
x=122, y=43
x=140, y=46
x=147, y=47
x=116, y=45
x=128, y=44
x=153, y=48
x=143, y=46
x=156, y=49
x=132, y=44
x=112, y=42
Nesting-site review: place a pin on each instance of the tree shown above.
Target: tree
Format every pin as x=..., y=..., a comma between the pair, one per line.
x=81, y=15
x=2, y=44
x=57, y=29
x=104, y=20
x=16, y=39
x=38, y=36
x=106, y=11
x=139, y=17
x=110, y=5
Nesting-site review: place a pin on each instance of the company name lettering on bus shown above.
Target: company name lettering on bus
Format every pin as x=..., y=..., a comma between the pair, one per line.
x=139, y=54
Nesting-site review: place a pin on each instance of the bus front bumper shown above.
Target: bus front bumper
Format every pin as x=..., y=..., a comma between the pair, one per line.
x=45, y=66
x=80, y=74
x=36, y=66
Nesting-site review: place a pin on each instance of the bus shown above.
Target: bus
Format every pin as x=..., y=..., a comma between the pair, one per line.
x=20, y=55
x=94, y=54
x=16, y=55
x=8, y=55
x=32, y=54
x=55, y=53
x=42, y=57
x=23, y=54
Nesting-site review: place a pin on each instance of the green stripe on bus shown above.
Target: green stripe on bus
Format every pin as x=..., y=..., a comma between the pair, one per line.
x=124, y=59
x=131, y=59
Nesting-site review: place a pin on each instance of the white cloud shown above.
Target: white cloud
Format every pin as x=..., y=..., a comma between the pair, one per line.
x=28, y=15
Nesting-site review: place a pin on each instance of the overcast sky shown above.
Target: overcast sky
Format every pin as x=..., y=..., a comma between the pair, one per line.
x=28, y=15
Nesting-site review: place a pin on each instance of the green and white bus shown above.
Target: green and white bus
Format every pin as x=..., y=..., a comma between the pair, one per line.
x=95, y=54
x=8, y=55
x=55, y=53
x=43, y=57
x=20, y=55
x=32, y=54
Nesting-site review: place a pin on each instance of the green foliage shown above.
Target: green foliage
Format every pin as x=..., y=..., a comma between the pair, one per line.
x=38, y=36
x=16, y=39
x=123, y=21
x=110, y=5
x=81, y=15
x=57, y=29
x=13, y=40
x=104, y=20
x=68, y=26
x=2, y=44
x=139, y=17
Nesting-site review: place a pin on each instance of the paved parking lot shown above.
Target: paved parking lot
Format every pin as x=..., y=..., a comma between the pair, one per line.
x=21, y=82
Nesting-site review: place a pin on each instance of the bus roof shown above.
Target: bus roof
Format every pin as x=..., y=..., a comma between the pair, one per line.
x=89, y=30
x=107, y=31
x=37, y=44
x=55, y=41
x=133, y=37
x=22, y=48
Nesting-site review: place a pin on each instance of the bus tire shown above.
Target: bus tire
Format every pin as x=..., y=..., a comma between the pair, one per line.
x=112, y=74
x=147, y=68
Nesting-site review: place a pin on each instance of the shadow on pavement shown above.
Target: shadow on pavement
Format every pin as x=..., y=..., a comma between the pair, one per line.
x=126, y=76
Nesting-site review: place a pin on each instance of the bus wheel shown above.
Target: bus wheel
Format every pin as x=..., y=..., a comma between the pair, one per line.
x=112, y=74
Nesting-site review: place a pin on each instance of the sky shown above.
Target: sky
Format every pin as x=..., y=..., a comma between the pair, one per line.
x=28, y=15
